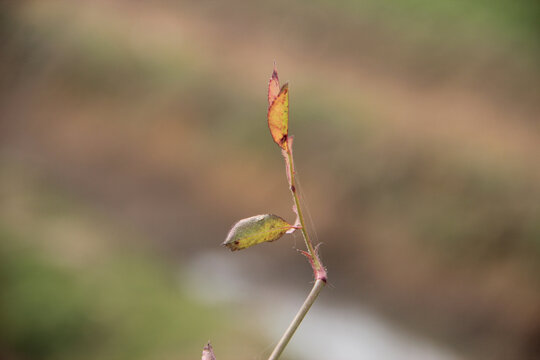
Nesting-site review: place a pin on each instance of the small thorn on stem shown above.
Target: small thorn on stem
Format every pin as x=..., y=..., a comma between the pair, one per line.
x=319, y=271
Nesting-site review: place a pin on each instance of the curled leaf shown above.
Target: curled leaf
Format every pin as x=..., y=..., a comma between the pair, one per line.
x=278, y=117
x=255, y=230
x=273, y=86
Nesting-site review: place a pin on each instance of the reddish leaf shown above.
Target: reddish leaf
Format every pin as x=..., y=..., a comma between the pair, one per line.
x=278, y=117
x=273, y=86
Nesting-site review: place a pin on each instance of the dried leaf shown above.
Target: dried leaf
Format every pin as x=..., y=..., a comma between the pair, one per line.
x=255, y=230
x=273, y=86
x=278, y=117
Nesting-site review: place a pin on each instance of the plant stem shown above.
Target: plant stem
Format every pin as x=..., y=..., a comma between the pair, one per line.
x=318, y=268
x=317, y=287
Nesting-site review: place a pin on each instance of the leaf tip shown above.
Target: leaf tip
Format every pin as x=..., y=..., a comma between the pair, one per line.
x=273, y=86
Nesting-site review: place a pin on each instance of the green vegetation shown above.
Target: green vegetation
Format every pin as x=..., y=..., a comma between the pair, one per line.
x=509, y=20
x=77, y=293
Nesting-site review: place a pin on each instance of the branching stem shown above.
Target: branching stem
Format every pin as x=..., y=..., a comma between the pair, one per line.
x=319, y=270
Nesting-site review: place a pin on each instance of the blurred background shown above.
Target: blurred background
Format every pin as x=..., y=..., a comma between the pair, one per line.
x=133, y=135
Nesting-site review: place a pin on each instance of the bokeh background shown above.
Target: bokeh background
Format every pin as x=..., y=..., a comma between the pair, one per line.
x=133, y=134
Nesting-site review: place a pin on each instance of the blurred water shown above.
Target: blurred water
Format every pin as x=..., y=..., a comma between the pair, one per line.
x=330, y=331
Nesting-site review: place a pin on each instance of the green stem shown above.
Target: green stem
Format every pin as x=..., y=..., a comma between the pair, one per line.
x=318, y=268
x=317, y=287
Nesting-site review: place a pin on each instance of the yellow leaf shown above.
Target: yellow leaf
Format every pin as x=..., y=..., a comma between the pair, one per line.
x=278, y=117
x=255, y=230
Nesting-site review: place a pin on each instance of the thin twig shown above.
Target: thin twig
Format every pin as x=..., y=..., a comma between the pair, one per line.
x=319, y=270
x=317, y=287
